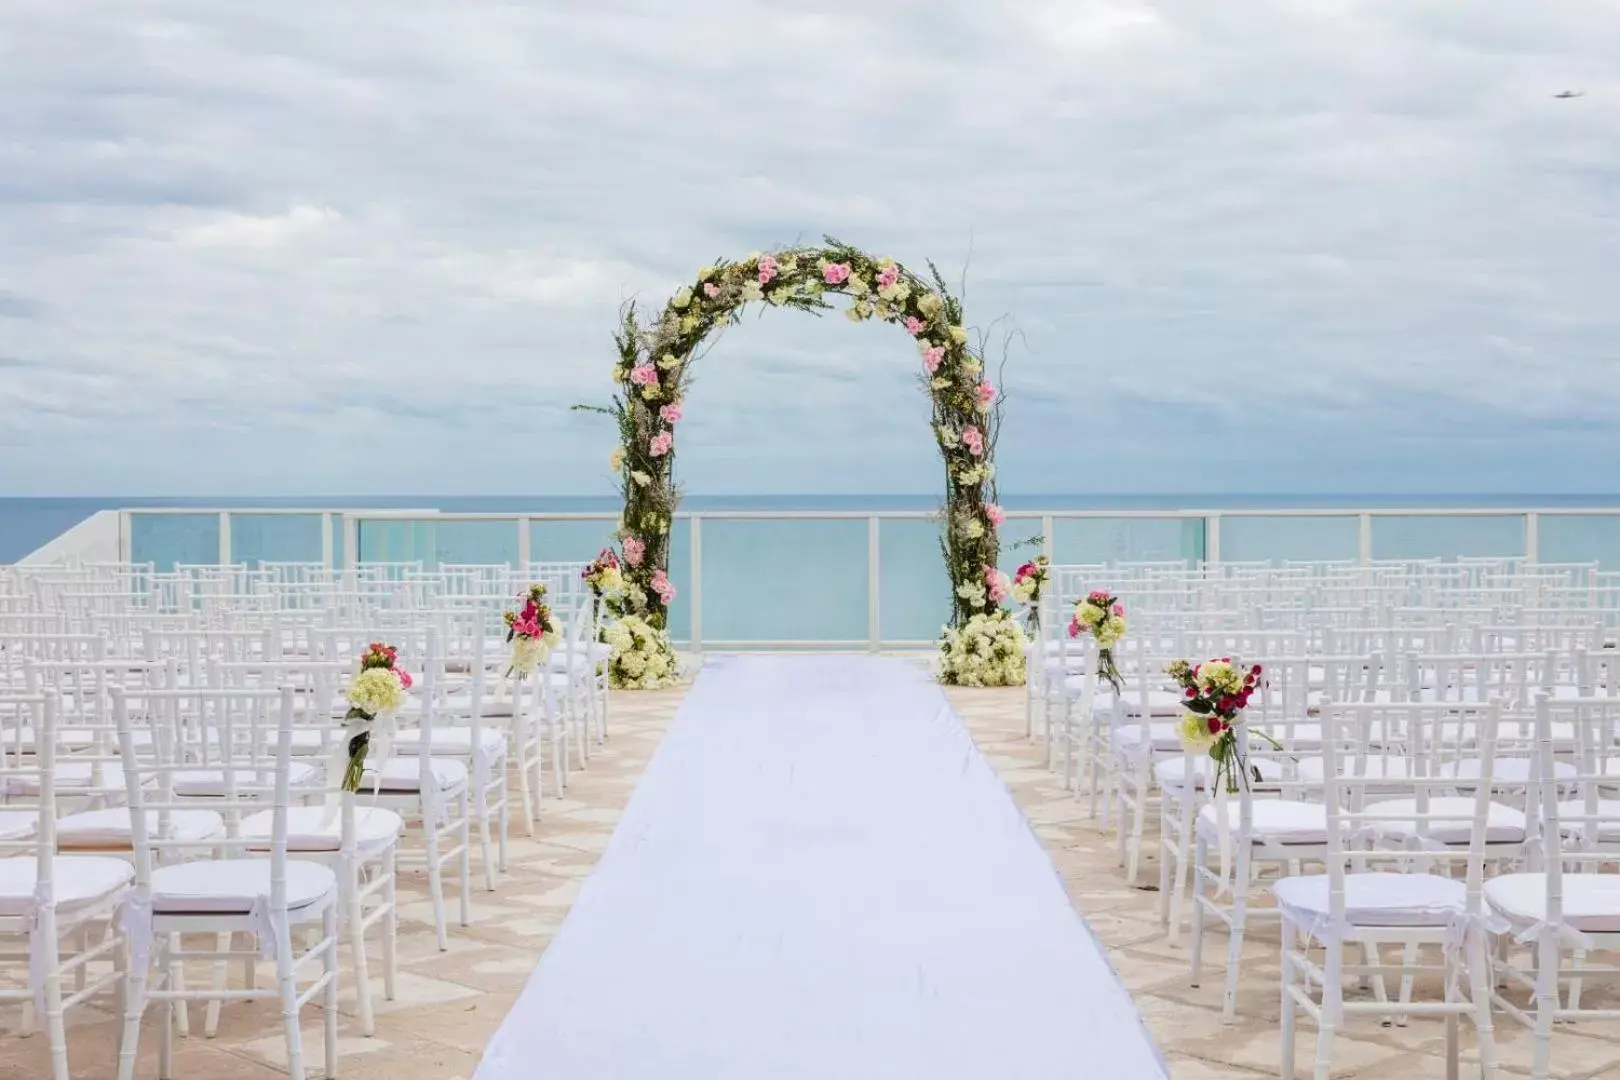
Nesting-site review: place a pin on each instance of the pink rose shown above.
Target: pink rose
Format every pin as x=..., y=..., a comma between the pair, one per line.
x=711, y=290
x=835, y=273
x=663, y=587
x=644, y=375
x=767, y=269
x=995, y=584
x=914, y=325
x=661, y=444
x=987, y=394
x=403, y=676
x=933, y=357
x=888, y=275
x=1119, y=610
x=671, y=413
x=996, y=515
x=1074, y=631
x=634, y=550
x=973, y=439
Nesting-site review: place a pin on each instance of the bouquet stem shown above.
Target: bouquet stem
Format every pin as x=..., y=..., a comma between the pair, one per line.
x=1108, y=670
x=358, y=745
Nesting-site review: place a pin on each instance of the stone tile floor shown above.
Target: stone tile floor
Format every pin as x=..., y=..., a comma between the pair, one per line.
x=450, y=1002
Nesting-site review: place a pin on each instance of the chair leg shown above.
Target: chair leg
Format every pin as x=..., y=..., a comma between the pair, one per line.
x=222, y=944
x=1332, y=992
x=1479, y=990
x=1234, y=946
x=435, y=869
x=1546, y=1005
x=1200, y=853
x=464, y=858
x=177, y=981
x=520, y=754
x=1286, y=1023
x=134, y=1004
x=357, y=944
x=390, y=894
x=485, y=847
x=287, y=986
x=329, y=999
x=55, y=1027
x=503, y=821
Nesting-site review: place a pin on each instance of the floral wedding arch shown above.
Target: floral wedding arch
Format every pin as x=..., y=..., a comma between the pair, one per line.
x=983, y=645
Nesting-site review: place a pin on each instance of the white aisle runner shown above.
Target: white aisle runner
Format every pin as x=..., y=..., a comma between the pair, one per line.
x=820, y=878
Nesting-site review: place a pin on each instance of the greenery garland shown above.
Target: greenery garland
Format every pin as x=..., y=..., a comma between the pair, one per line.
x=652, y=373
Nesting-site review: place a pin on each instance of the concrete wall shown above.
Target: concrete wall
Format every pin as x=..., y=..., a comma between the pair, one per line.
x=95, y=539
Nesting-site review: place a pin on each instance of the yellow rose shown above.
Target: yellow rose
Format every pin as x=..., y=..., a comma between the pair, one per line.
x=928, y=304
x=682, y=297
x=667, y=361
x=617, y=460
x=958, y=335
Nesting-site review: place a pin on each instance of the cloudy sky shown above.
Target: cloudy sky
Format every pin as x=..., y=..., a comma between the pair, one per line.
x=377, y=246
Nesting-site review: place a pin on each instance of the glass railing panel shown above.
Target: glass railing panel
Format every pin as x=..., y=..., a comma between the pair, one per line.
x=803, y=579
x=1579, y=538
x=1308, y=538
x=166, y=539
x=257, y=538
x=1102, y=539
x=570, y=540
x=1446, y=536
x=914, y=592
x=338, y=540
x=487, y=541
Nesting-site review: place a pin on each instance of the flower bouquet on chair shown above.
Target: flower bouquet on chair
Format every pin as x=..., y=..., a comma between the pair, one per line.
x=375, y=695
x=531, y=632
x=604, y=577
x=1102, y=616
x=1215, y=693
x=1027, y=586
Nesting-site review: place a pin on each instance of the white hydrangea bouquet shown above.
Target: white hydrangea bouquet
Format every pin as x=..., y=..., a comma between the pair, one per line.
x=1028, y=585
x=987, y=650
x=375, y=695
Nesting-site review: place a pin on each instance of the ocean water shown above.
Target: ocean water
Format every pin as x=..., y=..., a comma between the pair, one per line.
x=810, y=580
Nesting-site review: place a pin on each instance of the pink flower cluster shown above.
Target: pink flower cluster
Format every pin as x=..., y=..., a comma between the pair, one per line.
x=835, y=273
x=663, y=587
x=888, y=275
x=995, y=513
x=987, y=393
x=933, y=357
x=635, y=549
x=662, y=443
x=973, y=439
x=671, y=413
x=914, y=325
x=995, y=584
x=644, y=375
x=767, y=269
x=711, y=290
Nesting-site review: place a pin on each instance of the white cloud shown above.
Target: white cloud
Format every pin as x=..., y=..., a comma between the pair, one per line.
x=260, y=246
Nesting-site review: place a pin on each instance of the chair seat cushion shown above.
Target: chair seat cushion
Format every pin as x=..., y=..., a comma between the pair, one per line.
x=78, y=881
x=1274, y=821
x=230, y=886
x=1591, y=902
x=211, y=782
x=17, y=824
x=1162, y=738
x=403, y=774
x=1375, y=899
x=1160, y=702
x=1503, y=825
x=1171, y=772
x=1314, y=770
x=1504, y=770
x=70, y=776
x=450, y=740
x=110, y=828
x=459, y=703
x=317, y=828
x=1608, y=810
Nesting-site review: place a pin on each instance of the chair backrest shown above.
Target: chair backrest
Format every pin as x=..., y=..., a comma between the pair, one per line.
x=1427, y=736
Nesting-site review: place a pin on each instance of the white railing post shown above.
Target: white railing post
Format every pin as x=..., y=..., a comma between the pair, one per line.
x=874, y=585
x=225, y=538
x=523, y=552
x=326, y=542
x=1048, y=523
x=1364, y=538
x=1212, y=540
x=351, y=542
x=1532, y=537
x=696, y=575
x=126, y=542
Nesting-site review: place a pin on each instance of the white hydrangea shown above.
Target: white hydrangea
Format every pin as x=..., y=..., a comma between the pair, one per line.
x=986, y=651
